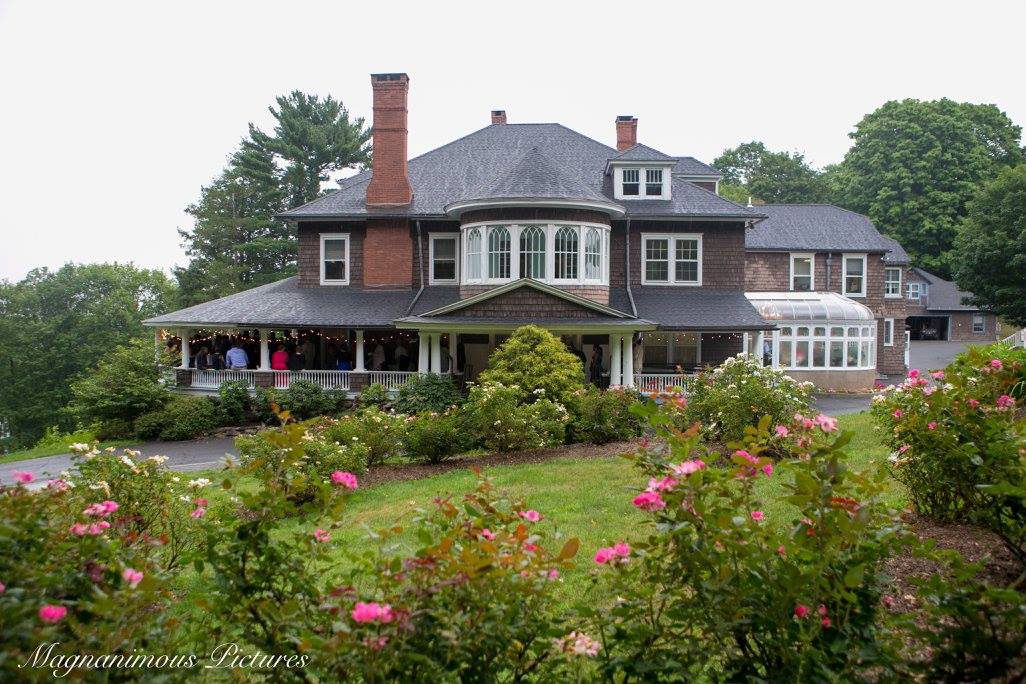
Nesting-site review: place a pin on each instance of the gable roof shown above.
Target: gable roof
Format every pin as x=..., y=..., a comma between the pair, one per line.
x=815, y=228
x=897, y=256
x=944, y=295
x=544, y=288
x=689, y=166
x=477, y=163
x=639, y=152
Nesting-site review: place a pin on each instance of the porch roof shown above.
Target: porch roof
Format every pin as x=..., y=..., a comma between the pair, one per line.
x=692, y=308
x=461, y=323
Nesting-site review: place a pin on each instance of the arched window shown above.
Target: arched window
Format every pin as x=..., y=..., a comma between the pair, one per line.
x=473, y=268
x=498, y=252
x=532, y=252
x=566, y=253
x=592, y=254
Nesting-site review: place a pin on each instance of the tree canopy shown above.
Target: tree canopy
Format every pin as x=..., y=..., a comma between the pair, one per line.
x=991, y=246
x=914, y=166
x=770, y=177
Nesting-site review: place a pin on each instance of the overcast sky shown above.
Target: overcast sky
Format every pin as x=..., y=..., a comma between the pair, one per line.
x=113, y=114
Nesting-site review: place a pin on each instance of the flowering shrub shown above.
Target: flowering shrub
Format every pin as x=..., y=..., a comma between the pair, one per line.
x=501, y=422
x=180, y=418
x=958, y=437
x=381, y=432
x=374, y=394
x=723, y=589
x=535, y=359
x=234, y=401
x=303, y=399
x=601, y=416
x=737, y=393
x=434, y=437
x=428, y=392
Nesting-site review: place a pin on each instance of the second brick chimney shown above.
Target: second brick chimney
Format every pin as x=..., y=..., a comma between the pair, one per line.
x=498, y=116
x=626, y=132
x=390, y=183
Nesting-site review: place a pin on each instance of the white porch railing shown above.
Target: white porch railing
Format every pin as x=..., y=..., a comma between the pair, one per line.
x=327, y=379
x=392, y=380
x=653, y=383
x=1016, y=339
x=212, y=379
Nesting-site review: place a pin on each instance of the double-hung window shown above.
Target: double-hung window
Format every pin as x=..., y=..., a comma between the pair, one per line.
x=671, y=260
x=443, y=258
x=892, y=282
x=854, y=276
x=631, y=185
x=978, y=326
x=888, y=332
x=642, y=182
x=654, y=182
x=913, y=291
x=334, y=258
x=802, y=266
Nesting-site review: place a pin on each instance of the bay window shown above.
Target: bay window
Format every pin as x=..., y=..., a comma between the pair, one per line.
x=473, y=242
x=561, y=253
x=532, y=253
x=498, y=253
x=334, y=258
x=685, y=250
x=566, y=253
x=854, y=275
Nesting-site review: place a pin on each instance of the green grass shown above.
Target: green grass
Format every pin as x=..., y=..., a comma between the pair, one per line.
x=54, y=450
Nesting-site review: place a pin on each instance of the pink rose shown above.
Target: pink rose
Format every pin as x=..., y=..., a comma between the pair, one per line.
x=688, y=467
x=932, y=425
x=649, y=501
x=914, y=373
x=530, y=516
x=897, y=414
x=347, y=480
x=973, y=403
x=202, y=503
x=937, y=375
x=604, y=555
x=322, y=535
x=826, y=423
x=51, y=614
x=553, y=574
x=664, y=484
x=758, y=515
x=529, y=547
x=372, y=612
x=767, y=469
x=23, y=476
x=822, y=610
x=996, y=364
x=487, y=534
x=781, y=551
x=782, y=431
x=79, y=529
x=825, y=622
x=800, y=611
x=198, y=512
x=621, y=549
x=1005, y=402
x=133, y=577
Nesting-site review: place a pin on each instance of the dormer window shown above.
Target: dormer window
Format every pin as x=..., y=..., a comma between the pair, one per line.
x=654, y=182
x=641, y=182
x=631, y=182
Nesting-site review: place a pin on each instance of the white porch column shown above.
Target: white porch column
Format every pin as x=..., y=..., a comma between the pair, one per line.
x=436, y=353
x=758, y=348
x=452, y=351
x=265, y=350
x=744, y=343
x=156, y=344
x=359, y=365
x=628, y=361
x=615, y=347
x=184, y=333
x=776, y=349
x=422, y=360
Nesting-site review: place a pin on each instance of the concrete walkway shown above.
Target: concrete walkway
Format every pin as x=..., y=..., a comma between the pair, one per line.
x=840, y=404
x=200, y=454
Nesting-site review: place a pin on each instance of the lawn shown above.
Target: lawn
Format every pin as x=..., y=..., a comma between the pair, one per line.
x=587, y=498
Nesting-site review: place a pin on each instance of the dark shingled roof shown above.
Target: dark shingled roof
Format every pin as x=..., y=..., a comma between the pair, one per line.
x=689, y=166
x=944, y=295
x=639, y=152
x=814, y=228
x=691, y=308
x=897, y=256
x=463, y=168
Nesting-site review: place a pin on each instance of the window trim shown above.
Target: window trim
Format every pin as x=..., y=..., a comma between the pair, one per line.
x=643, y=169
x=457, y=258
x=671, y=257
x=844, y=274
x=983, y=324
x=919, y=291
x=888, y=325
x=812, y=269
x=335, y=236
x=898, y=294
x=866, y=362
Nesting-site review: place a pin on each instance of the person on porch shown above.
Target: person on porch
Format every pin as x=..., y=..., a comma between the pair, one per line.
x=280, y=359
x=309, y=354
x=378, y=358
x=203, y=360
x=237, y=357
x=595, y=369
x=402, y=356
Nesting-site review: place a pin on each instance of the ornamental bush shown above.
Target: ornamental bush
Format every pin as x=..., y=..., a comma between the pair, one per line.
x=959, y=436
x=603, y=416
x=428, y=392
x=374, y=394
x=381, y=432
x=534, y=359
x=737, y=393
x=434, y=437
x=500, y=422
x=721, y=589
x=180, y=418
x=235, y=401
x=305, y=399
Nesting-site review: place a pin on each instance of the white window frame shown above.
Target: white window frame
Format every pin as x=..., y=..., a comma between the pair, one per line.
x=865, y=339
x=672, y=257
x=335, y=236
x=844, y=274
x=888, y=332
x=549, y=229
x=918, y=291
x=432, y=280
x=667, y=181
x=892, y=295
x=983, y=324
x=812, y=269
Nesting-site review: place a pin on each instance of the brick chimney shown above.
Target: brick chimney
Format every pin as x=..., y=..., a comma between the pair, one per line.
x=498, y=116
x=390, y=183
x=626, y=132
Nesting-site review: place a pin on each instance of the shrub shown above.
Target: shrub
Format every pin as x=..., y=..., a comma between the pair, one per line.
x=273, y=457
x=305, y=400
x=181, y=418
x=500, y=422
x=235, y=403
x=263, y=403
x=382, y=433
x=957, y=438
x=534, y=359
x=434, y=437
x=54, y=439
x=600, y=417
x=726, y=399
x=125, y=384
x=719, y=590
x=374, y=395
x=427, y=393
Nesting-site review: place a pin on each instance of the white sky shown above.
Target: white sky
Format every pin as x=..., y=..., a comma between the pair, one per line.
x=114, y=113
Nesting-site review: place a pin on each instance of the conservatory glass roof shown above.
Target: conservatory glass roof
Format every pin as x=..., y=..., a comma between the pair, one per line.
x=808, y=306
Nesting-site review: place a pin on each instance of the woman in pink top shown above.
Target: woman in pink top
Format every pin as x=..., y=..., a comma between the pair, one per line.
x=280, y=359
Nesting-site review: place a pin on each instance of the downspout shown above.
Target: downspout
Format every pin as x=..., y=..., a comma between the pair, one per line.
x=420, y=257
x=627, y=265
x=829, y=262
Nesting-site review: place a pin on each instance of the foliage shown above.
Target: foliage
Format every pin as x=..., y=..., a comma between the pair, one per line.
x=958, y=438
x=602, y=416
x=719, y=590
x=534, y=359
x=54, y=439
x=55, y=325
x=382, y=433
x=991, y=245
x=914, y=166
x=429, y=392
x=736, y=393
x=434, y=437
x=374, y=394
x=305, y=399
x=750, y=170
x=234, y=401
x=500, y=422
x=263, y=403
x=180, y=418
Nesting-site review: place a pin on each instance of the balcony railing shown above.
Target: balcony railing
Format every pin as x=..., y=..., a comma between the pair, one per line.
x=654, y=383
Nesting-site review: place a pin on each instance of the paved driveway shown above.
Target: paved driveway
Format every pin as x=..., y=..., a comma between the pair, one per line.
x=929, y=355
x=200, y=454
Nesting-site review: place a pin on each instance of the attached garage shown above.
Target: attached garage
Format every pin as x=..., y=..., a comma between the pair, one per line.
x=929, y=327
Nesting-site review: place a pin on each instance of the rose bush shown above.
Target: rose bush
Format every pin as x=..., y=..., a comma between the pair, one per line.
x=602, y=416
x=380, y=431
x=499, y=420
